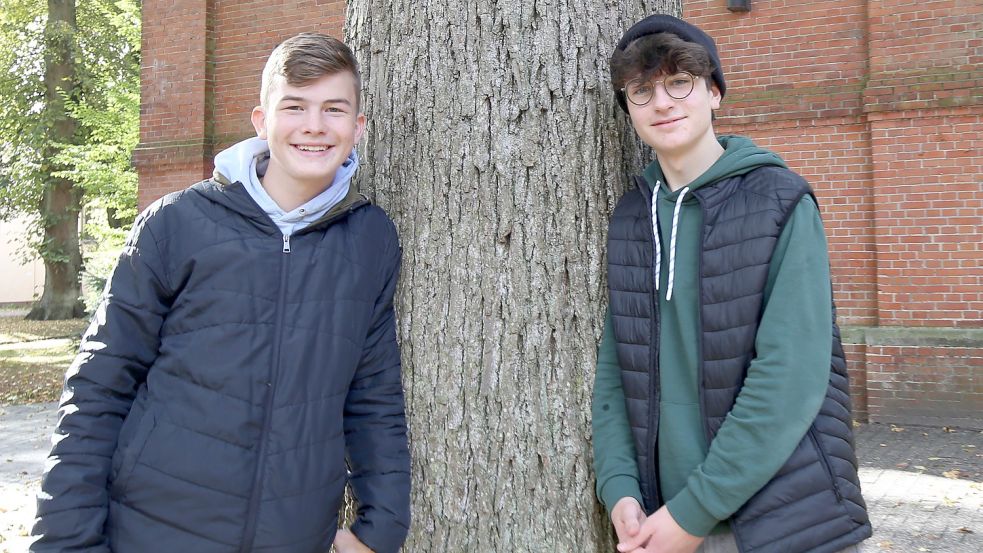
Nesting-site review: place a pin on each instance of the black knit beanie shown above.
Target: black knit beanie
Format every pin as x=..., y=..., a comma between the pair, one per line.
x=660, y=23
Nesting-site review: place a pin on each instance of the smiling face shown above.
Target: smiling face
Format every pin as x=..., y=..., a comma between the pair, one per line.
x=674, y=127
x=311, y=130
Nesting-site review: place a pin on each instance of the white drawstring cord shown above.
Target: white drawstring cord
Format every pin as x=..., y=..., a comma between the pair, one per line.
x=672, y=242
x=655, y=233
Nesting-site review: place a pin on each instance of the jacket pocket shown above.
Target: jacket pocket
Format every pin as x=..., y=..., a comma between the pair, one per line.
x=824, y=461
x=129, y=451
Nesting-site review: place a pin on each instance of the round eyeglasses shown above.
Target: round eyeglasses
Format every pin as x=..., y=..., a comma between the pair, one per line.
x=677, y=86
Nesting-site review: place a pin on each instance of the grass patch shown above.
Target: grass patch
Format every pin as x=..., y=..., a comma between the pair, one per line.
x=14, y=330
x=34, y=356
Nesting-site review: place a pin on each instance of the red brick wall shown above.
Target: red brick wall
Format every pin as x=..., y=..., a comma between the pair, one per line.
x=926, y=378
x=173, y=95
x=877, y=103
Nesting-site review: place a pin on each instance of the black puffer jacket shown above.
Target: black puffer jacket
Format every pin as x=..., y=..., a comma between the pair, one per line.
x=224, y=379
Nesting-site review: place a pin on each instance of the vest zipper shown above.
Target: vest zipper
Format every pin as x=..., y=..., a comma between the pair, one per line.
x=825, y=463
x=252, y=514
x=654, y=388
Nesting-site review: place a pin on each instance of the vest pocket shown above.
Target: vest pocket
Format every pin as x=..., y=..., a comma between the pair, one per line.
x=820, y=453
x=129, y=452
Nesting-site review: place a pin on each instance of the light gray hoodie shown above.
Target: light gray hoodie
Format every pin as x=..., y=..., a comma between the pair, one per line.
x=246, y=163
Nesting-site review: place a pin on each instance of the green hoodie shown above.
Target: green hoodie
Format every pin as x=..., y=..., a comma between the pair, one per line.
x=786, y=381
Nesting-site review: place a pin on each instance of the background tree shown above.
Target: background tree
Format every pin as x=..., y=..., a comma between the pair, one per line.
x=493, y=142
x=69, y=113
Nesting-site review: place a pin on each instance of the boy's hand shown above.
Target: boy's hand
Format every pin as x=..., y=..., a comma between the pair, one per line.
x=346, y=542
x=661, y=534
x=627, y=517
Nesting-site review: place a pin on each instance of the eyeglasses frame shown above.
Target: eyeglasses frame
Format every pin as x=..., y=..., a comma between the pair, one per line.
x=662, y=81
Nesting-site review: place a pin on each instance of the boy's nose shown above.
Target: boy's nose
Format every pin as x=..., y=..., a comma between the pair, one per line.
x=314, y=123
x=660, y=98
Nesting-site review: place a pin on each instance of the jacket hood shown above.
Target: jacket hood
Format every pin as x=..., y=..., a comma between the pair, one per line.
x=740, y=156
x=238, y=167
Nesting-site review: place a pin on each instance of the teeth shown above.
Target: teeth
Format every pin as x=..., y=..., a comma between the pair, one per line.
x=312, y=148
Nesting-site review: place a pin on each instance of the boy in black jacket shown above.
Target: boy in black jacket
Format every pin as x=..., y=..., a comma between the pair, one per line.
x=243, y=364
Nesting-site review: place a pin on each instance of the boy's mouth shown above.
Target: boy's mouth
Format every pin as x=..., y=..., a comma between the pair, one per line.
x=312, y=148
x=667, y=121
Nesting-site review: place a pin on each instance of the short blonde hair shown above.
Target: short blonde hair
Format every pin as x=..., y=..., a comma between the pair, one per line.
x=307, y=57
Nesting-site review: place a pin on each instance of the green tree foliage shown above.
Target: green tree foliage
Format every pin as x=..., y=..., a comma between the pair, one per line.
x=102, y=100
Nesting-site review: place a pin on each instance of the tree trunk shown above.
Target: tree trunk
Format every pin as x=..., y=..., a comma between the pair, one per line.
x=61, y=199
x=494, y=145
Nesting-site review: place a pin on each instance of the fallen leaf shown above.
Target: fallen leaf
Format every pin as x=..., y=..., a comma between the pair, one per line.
x=896, y=428
x=902, y=465
x=919, y=467
x=935, y=458
x=884, y=544
x=964, y=530
x=947, y=429
x=923, y=549
x=856, y=424
x=883, y=445
x=954, y=473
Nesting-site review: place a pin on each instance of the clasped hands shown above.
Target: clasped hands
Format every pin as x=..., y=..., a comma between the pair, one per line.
x=658, y=533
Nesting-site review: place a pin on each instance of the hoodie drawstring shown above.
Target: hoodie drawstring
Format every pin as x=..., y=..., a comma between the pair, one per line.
x=672, y=240
x=655, y=233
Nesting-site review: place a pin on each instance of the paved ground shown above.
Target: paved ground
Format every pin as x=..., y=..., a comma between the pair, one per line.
x=923, y=485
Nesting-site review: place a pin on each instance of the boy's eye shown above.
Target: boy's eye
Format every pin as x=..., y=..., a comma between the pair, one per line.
x=292, y=108
x=640, y=88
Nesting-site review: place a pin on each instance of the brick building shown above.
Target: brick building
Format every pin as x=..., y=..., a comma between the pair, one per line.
x=877, y=102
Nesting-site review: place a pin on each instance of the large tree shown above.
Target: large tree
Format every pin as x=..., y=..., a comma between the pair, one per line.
x=494, y=143
x=69, y=109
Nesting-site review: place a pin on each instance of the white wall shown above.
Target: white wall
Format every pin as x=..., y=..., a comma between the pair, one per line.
x=18, y=282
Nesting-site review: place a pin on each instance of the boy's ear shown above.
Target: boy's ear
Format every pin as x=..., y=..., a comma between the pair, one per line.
x=360, y=121
x=715, y=97
x=258, y=118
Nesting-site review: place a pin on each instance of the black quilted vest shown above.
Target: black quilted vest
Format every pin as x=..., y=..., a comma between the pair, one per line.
x=813, y=504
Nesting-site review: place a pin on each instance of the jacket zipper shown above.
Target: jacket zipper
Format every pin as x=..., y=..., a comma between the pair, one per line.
x=249, y=532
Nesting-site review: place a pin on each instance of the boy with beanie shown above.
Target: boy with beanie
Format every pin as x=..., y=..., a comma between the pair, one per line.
x=243, y=364
x=721, y=412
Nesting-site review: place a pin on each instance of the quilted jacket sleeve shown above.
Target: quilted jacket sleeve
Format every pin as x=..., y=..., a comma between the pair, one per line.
x=119, y=346
x=375, y=428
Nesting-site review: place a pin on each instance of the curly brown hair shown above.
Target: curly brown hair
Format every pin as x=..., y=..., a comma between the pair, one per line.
x=659, y=54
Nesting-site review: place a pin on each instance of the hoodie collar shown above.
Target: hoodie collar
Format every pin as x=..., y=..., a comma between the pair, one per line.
x=740, y=156
x=246, y=163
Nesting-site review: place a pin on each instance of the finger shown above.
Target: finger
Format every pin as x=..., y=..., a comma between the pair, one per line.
x=631, y=526
x=636, y=540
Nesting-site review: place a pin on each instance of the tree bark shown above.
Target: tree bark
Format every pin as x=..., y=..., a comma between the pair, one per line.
x=61, y=199
x=494, y=143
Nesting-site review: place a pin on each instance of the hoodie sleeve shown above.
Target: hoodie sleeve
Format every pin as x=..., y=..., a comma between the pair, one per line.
x=375, y=428
x=785, y=384
x=116, y=352
x=614, y=452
